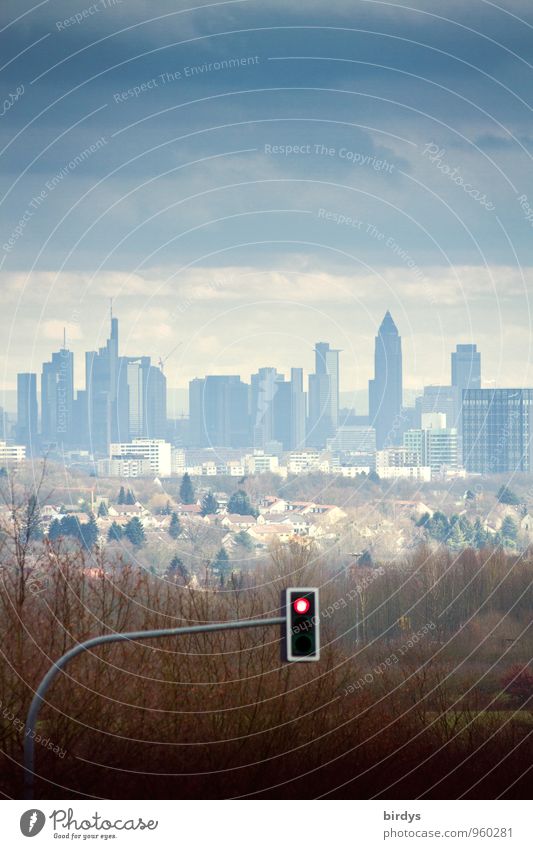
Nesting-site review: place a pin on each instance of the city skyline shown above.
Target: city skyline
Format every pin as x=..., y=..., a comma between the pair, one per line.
x=85, y=359
x=222, y=343
x=308, y=351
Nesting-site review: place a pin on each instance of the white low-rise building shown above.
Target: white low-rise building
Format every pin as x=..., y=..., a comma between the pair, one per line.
x=12, y=454
x=260, y=463
x=138, y=458
x=401, y=462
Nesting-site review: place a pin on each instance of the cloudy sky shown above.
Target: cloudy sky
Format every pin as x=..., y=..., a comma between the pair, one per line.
x=246, y=178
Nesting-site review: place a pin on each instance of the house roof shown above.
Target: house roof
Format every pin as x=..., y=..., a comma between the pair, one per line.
x=237, y=519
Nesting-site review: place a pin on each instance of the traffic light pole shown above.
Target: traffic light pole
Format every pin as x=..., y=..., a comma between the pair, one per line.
x=38, y=699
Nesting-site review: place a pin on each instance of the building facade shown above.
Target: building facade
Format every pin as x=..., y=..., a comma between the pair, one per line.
x=57, y=398
x=385, y=391
x=27, y=411
x=497, y=431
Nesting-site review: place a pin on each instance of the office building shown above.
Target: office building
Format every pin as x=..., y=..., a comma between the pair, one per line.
x=137, y=458
x=57, y=398
x=438, y=399
x=27, y=413
x=403, y=462
x=497, y=432
x=466, y=367
x=385, y=391
x=466, y=374
x=434, y=444
x=11, y=455
x=218, y=412
x=263, y=399
x=298, y=409
x=323, y=396
x=105, y=419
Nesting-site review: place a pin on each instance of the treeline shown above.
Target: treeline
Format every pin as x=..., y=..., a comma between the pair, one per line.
x=457, y=532
x=218, y=715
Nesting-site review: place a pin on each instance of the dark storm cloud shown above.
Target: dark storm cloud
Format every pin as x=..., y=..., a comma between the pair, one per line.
x=412, y=124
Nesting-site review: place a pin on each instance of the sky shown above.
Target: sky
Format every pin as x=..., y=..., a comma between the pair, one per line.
x=247, y=178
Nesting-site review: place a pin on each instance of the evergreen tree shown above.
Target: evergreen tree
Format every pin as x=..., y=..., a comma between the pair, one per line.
x=32, y=528
x=130, y=497
x=509, y=532
x=438, y=527
x=115, y=533
x=89, y=533
x=480, y=535
x=54, y=531
x=134, y=531
x=167, y=509
x=221, y=564
x=424, y=519
x=121, y=499
x=186, y=490
x=3, y=472
x=70, y=527
x=365, y=559
x=507, y=496
x=243, y=538
x=467, y=529
x=102, y=510
x=240, y=504
x=174, y=528
x=456, y=539
x=178, y=570
x=209, y=504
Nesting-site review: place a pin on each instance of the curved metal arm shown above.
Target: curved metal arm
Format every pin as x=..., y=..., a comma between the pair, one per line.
x=38, y=699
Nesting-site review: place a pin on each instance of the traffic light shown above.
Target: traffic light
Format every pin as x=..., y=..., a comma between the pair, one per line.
x=302, y=623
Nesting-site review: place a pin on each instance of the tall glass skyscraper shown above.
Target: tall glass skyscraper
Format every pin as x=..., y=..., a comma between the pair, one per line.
x=57, y=398
x=466, y=367
x=27, y=410
x=466, y=374
x=323, y=396
x=101, y=376
x=385, y=391
x=497, y=431
x=218, y=412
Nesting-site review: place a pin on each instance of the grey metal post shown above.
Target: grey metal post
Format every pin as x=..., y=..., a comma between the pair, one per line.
x=38, y=699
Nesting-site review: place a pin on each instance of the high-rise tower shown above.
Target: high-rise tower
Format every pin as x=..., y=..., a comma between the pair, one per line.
x=466, y=367
x=101, y=375
x=323, y=396
x=27, y=410
x=57, y=398
x=385, y=391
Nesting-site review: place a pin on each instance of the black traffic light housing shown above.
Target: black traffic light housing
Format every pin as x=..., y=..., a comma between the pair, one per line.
x=302, y=636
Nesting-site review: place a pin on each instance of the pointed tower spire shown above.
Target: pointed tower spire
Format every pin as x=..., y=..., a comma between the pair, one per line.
x=388, y=325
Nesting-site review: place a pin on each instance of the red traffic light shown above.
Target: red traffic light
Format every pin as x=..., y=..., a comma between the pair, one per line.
x=302, y=605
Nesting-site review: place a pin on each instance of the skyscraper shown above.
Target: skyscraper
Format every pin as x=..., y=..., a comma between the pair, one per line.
x=497, y=434
x=298, y=409
x=27, y=414
x=218, y=412
x=57, y=398
x=385, y=391
x=323, y=396
x=155, y=404
x=264, y=388
x=466, y=367
x=466, y=374
x=101, y=377
x=141, y=405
